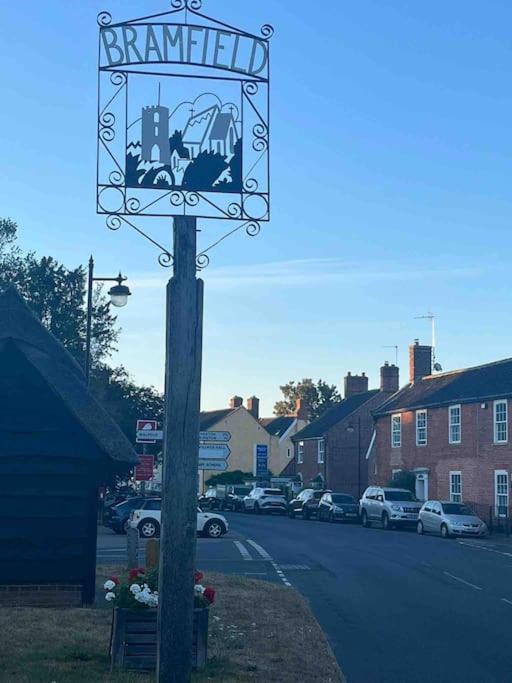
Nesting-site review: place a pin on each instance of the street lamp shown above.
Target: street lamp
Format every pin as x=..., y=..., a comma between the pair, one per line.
x=119, y=294
x=351, y=429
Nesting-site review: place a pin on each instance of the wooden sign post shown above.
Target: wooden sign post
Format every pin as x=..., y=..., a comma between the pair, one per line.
x=181, y=451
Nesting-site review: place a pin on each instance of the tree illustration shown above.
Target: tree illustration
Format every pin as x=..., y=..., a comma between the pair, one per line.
x=204, y=171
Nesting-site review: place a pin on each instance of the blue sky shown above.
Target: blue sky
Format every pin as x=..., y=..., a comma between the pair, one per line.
x=391, y=178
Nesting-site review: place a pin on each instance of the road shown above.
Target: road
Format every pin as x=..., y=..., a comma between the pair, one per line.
x=395, y=606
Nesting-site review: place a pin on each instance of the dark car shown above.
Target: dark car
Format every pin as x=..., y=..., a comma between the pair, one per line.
x=117, y=516
x=335, y=507
x=305, y=504
x=235, y=497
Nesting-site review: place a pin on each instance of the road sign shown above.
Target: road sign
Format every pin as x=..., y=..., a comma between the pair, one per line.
x=260, y=460
x=144, y=470
x=148, y=432
x=213, y=465
x=214, y=451
x=214, y=436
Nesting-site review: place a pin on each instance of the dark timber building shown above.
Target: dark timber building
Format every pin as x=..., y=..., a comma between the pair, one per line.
x=57, y=445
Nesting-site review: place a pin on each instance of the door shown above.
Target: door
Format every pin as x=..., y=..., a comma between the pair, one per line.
x=377, y=505
x=427, y=517
x=436, y=518
x=422, y=486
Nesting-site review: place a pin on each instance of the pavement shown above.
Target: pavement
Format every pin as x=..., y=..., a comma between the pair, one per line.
x=396, y=607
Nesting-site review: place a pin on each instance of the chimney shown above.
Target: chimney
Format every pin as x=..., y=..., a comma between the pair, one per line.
x=301, y=410
x=389, y=378
x=253, y=406
x=420, y=361
x=355, y=384
x=236, y=402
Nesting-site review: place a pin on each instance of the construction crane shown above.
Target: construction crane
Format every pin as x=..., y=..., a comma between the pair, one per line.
x=430, y=316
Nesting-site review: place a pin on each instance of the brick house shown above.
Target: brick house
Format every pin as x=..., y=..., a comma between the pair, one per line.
x=330, y=451
x=451, y=429
x=284, y=428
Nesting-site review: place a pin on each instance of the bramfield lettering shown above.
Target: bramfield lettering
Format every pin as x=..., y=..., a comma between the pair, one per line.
x=183, y=44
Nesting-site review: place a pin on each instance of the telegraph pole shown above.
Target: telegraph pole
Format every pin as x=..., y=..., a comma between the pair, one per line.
x=181, y=455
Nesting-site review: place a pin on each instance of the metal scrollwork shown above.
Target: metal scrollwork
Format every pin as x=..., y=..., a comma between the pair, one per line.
x=116, y=177
x=202, y=261
x=177, y=198
x=186, y=4
x=260, y=142
x=104, y=19
x=253, y=228
x=250, y=185
x=250, y=88
x=234, y=210
x=107, y=122
x=267, y=31
x=133, y=204
x=165, y=259
x=118, y=78
x=113, y=222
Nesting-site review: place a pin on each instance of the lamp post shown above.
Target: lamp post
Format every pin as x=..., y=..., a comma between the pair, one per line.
x=118, y=297
x=351, y=430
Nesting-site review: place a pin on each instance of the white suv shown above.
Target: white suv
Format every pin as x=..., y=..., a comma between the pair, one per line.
x=391, y=507
x=265, y=500
x=147, y=521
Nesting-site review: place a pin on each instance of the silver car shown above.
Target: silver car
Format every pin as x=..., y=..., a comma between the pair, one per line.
x=449, y=519
x=389, y=506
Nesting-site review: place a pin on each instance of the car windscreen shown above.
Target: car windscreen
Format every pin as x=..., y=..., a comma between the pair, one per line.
x=399, y=495
x=242, y=490
x=318, y=494
x=456, y=509
x=273, y=492
x=342, y=498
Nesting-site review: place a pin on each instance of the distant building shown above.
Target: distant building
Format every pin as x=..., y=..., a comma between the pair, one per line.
x=155, y=134
x=450, y=429
x=284, y=427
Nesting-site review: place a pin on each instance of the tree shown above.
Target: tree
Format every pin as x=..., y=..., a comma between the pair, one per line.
x=235, y=477
x=404, y=480
x=57, y=295
x=318, y=397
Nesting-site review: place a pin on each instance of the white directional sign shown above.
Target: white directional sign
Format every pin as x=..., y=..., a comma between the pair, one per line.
x=213, y=465
x=214, y=436
x=214, y=451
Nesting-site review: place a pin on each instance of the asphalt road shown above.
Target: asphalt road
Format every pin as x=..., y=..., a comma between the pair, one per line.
x=395, y=606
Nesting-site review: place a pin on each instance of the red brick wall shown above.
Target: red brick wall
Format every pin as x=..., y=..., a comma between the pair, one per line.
x=476, y=457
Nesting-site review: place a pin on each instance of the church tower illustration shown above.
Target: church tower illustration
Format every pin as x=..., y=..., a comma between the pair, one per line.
x=155, y=133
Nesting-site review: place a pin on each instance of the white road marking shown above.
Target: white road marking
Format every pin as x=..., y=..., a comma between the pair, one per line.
x=509, y=602
x=243, y=550
x=457, y=578
x=263, y=553
x=481, y=547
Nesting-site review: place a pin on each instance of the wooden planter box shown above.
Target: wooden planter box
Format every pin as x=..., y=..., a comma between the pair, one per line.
x=133, y=639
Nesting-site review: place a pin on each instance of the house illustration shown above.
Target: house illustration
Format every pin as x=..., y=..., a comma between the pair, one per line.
x=210, y=131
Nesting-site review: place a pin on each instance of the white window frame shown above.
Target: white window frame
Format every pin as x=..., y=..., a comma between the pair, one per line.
x=300, y=453
x=503, y=494
x=421, y=442
x=501, y=423
x=394, y=473
x=396, y=419
x=451, y=423
x=321, y=451
x=456, y=486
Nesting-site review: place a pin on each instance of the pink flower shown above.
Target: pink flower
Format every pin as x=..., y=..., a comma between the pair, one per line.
x=135, y=572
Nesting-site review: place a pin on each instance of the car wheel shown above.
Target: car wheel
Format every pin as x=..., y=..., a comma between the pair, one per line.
x=444, y=531
x=148, y=528
x=257, y=508
x=386, y=525
x=420, y=529
x=364, y=520
x=305, y=514
x=214, y=529
x=331, y=517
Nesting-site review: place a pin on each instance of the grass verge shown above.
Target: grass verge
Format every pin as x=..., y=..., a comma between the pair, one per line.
x=258, y=632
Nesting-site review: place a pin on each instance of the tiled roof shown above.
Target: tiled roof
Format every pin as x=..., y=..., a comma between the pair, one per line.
x=220, y=127
x=483, y=382
x=277, y=426
x=211, y=417
x=338, y=412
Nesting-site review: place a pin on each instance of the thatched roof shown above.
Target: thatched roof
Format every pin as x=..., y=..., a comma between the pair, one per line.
x=19, y=325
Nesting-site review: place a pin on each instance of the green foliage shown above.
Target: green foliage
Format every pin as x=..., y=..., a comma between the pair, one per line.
x=235, y=477
x=404, y=480
x=57, y=295
x=318, y=397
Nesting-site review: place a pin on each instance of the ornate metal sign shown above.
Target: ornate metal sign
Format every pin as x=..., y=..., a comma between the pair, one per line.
x=183, y=119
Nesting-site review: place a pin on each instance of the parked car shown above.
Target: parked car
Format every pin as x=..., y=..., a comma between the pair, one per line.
x=265, y=500
x=305, y=504
x=225, y=497
x=389, y=506
x=116, y=516
x=338, y=506
x=147, y=521
x=209, y=500
x=449, y=519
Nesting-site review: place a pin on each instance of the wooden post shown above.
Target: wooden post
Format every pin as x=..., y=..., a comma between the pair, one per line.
x=181, y=454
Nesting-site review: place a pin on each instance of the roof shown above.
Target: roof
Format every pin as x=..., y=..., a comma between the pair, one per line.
x=469, y=385
x=338, y=412
x=211, y=417
x=277, y=426
x=220, y=127
x=198, y=126
x=58, y=368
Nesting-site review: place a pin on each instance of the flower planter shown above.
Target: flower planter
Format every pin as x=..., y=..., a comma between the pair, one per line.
x=133, y=639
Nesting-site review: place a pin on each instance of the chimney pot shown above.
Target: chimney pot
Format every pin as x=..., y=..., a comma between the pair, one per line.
x=389, y=378
x=355, y=384
x=236, y=402
x=253, y=406
x=301, y=410
x=420, y=361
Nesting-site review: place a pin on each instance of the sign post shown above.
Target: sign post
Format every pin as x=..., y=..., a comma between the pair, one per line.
x=261, y=461
x=183, y=133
